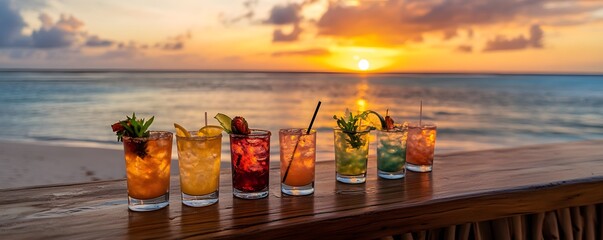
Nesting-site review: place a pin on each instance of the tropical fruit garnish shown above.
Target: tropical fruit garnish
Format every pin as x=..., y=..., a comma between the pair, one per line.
x=209, y=131
x=237, y=125
x=375, y=119
x=181, y=131
x=389, y=122
x=225, y=121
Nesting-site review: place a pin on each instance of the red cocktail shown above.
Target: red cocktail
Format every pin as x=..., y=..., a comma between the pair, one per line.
x=250, y=159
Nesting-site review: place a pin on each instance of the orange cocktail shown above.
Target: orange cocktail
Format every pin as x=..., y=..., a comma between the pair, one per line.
x=148, y=170
x=298, y=156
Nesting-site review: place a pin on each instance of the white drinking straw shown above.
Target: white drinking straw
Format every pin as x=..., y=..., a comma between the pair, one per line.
x=421, y=113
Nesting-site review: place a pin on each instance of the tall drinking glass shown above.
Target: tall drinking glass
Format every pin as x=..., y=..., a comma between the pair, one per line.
x=199, y=165
x=420, y=147
x=250, y=159
x=351, y=155
x=391, y=153
x=298, y=156
x=148, y=170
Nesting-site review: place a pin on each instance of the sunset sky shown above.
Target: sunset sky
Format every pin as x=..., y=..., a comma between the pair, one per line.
x=310, y=35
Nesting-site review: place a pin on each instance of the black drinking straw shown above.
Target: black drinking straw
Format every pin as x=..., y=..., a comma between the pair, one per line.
x=297, y=143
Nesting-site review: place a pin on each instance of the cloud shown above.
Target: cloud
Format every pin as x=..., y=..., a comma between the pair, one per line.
x=121, y=53
x=306, y=52
x=536, y=36
x=95, y=41
x=279, y=36
x=284, y=14
x=397, y=22
x=175, y=43
x=64, y=33
x=502, y=43
x=464, y=48
x=11, y=24
x=450, y=34
x=369, y=21
x=289, y=14
x=280, y=15
x=31, y=4
x=247, y=15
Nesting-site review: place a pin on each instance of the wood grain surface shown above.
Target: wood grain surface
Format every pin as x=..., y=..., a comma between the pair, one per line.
x=463, y=187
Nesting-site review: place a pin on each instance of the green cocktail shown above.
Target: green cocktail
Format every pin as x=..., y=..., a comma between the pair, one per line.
x=351, y=155
x=391, y=153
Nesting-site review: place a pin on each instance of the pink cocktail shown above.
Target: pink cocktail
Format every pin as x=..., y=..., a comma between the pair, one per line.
x=420, y=147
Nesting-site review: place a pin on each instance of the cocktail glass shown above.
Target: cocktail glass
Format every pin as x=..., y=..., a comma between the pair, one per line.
x=250, y=159
x=420, y=147
x=298, y=156
x=148, y=170
x=391, y=153
x=199, y=165
x=351, y=155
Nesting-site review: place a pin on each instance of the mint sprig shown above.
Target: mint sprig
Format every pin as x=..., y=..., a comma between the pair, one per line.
x=350, y=124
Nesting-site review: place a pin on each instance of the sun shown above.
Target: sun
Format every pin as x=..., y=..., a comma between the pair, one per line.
x=363, y=64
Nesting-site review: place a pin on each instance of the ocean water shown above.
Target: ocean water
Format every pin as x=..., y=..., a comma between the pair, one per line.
x=472, y=111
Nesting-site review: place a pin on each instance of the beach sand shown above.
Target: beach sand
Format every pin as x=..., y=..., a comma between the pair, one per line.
x=25, y=164
x=33, y=164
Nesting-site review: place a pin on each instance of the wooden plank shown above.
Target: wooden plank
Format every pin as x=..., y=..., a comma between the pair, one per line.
x=464, y=187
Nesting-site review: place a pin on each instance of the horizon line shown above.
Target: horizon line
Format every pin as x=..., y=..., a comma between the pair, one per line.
x=136, y=70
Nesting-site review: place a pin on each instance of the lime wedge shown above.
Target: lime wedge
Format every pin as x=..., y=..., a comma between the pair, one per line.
x=225, y=121
x=210, y=131
x=181, y=131
x=374, y=119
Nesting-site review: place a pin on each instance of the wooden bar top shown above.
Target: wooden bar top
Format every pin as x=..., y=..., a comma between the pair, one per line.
x=463, y=187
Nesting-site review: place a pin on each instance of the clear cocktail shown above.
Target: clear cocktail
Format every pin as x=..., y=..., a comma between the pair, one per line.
x=351, y=155
x=391, y=153
x=250, y=159
x=148, y=170
x=199, y=165
x=298, y=156
x=420, y=147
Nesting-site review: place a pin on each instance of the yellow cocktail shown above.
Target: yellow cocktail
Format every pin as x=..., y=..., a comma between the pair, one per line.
x=199, y=154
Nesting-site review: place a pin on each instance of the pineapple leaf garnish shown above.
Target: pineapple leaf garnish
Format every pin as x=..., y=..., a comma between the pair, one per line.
x=132, y=127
